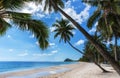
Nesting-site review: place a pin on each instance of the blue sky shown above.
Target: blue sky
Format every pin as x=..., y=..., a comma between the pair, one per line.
x=17, y=45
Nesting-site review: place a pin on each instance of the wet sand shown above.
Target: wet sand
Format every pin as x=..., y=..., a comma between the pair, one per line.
x=79, y=70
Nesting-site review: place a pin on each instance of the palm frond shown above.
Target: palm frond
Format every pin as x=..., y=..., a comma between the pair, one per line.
x=3, y=26
x=93, y=18
x=63, y=29
x=43, y=43
x=12, y=4
x=38, y=28
x=93, y=2
x=57, y=34
x=56, y=25
x=70, y=27
x=40, y=31
x=69, y=33
x=48, y=5
x=17, y=15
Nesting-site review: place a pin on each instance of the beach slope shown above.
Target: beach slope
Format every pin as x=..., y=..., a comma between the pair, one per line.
x=79, y=70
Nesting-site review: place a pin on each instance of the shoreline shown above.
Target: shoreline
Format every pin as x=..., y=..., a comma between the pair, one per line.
x=77, y=70
x=35, y=71
x=37, y=67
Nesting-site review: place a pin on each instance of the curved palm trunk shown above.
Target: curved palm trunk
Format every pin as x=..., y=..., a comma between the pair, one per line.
x=105, y=71
x=87, y=57
x=75, y=48
x=103, y=52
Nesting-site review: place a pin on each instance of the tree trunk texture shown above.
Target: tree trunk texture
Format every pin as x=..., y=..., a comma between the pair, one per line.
x=104, y=71
x=96, y=63
x=75, y=48
x=115, y=49
x=103, y=52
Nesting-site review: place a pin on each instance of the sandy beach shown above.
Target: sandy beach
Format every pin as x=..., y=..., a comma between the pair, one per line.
x=79, y=70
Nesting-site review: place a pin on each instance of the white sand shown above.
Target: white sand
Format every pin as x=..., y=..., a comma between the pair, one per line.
x=91, y=71
x=80, y=70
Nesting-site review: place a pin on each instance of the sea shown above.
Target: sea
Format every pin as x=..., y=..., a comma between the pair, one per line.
x=16, y=66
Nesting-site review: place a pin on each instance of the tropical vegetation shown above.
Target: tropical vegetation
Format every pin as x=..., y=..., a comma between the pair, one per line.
x=57, y=5
x=63, y=29
x=92, y=55
x=24, y=22
x=108, y=16
x=9, y=17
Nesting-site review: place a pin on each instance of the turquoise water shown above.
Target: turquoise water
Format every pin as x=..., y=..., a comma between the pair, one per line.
x=13, y=66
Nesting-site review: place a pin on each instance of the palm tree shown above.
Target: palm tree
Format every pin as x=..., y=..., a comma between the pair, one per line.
x=23, y=21
x=108, y=17
x=64, y=30
x=58, y=7
x=111, y=49
x=92, y=53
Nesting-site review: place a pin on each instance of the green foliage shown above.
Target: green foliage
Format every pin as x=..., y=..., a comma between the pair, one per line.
x=23, y=21
x=12, y=4
x=92, y=2
x=63, y=29
x=68, y=60
x=3, y=26
x=49, y=6
x=111, y=50
x=93, y=18
x=90, y=52
x=84, y=59
x=107, y=15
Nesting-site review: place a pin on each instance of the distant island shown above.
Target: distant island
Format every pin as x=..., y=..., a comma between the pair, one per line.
x=69, y=60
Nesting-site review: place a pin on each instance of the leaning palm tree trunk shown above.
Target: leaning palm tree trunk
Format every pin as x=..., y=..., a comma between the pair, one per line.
x=103, y=52
x=104, y=70
x=115, y=49
x=101, y=67
x=75, y=48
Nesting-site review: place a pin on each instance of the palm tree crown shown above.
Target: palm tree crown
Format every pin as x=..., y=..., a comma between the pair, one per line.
x=49, y=6
x=64, y=30
x=108, y=17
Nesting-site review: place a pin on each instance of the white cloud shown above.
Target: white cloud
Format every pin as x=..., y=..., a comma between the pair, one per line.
x=96, y=24
x=46, y=54
x=74, y=0
x=79, y=42
x=51, y=44
x=52, y=29
x=36, y=10
x=32, y=36
x=109, y=42
x=74, y=32
x=37, y=43
x=23, y=54
x=39, y=54
x=43, y=54
x=79, y=17
x=92, y=30
x=68, y=4
x=10, y=50
x=9, y=36
x=28, y=8
x=55, y=51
